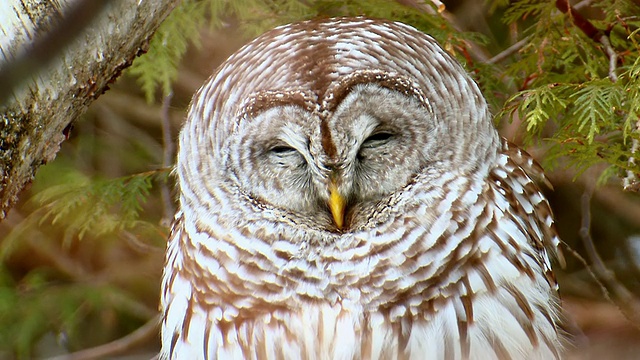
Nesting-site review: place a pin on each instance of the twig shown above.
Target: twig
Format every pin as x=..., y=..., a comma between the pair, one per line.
x=630, y=181
x=124, y=303
x=509, y=51
x=439, y=4
x=582, y=4
x=593, y=33
x=592, y=274
x=520, y=44
x=42, y=245
x=613, y=57
x=131, y=130
x=627, y=303
x=135, y=109
x=147, y=331
x=420, y=5
x=138, y=245
x=167, y=159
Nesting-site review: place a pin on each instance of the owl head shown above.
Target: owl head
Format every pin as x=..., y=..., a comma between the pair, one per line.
x=325, y=122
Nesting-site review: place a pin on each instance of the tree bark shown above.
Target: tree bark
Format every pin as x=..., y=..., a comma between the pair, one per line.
x=56, y=57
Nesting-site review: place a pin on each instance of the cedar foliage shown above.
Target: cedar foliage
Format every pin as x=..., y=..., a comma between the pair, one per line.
x=560, y=85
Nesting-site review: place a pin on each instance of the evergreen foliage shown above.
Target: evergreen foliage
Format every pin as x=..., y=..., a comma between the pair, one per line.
x=79, y=204
x=566, y=77
x=62, y=300
x=562, y=74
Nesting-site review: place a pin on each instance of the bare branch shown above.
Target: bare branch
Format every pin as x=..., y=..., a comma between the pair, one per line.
x=623, y=298
x=582, y=4
x=422, y=6
x=593, y=33
x=520, y=44
x=630, y=181
x=509, y=51
x=43, y=98
x=64, y=30
x=613, y=57
x=144, y=333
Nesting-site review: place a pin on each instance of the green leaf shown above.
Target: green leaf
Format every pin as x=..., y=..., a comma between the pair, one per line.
x=594, y=104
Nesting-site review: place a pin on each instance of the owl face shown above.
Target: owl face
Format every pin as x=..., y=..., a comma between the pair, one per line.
x=333, y=170
x=324, y=122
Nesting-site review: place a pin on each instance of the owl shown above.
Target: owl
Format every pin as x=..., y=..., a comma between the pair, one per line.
x=344, y=195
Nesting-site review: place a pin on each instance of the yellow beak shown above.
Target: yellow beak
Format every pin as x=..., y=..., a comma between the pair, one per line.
x=336, y=204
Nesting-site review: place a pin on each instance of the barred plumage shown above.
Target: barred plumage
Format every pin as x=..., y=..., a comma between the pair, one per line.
x=344, y=195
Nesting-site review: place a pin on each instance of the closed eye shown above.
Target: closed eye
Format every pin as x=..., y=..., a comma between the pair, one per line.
x=282, y=150
x=371, y=144
x=377, y=139
x=285, y=155
x=381, y=136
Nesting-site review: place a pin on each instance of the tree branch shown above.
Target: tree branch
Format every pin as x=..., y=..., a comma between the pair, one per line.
x=593, y=33
x=520, y=44
x=509, y=51
x=630, y=181
x=43, y=97
x=64, y=29
x=422, y=6
x=627, y=303
x=144, y=333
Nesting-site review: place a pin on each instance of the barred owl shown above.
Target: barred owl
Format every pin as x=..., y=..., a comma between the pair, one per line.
x=344, y=195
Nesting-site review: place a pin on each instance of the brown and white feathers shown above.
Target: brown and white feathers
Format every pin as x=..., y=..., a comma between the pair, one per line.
x=344, y=195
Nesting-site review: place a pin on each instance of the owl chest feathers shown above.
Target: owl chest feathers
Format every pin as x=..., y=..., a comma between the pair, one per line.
x=493, y=324
x=321, y=331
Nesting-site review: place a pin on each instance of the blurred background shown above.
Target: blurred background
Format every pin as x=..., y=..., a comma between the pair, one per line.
x=82, y=253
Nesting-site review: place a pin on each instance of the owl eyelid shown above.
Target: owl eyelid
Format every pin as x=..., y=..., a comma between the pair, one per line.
x=285, y=155
x=378, y=138
x=282, y=149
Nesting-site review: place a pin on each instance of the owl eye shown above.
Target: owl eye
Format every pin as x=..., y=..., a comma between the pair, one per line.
x=285, y=155
x=377, y=139
x=282, y=150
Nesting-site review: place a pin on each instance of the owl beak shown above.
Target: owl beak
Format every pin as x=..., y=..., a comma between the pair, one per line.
x=336, y=204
